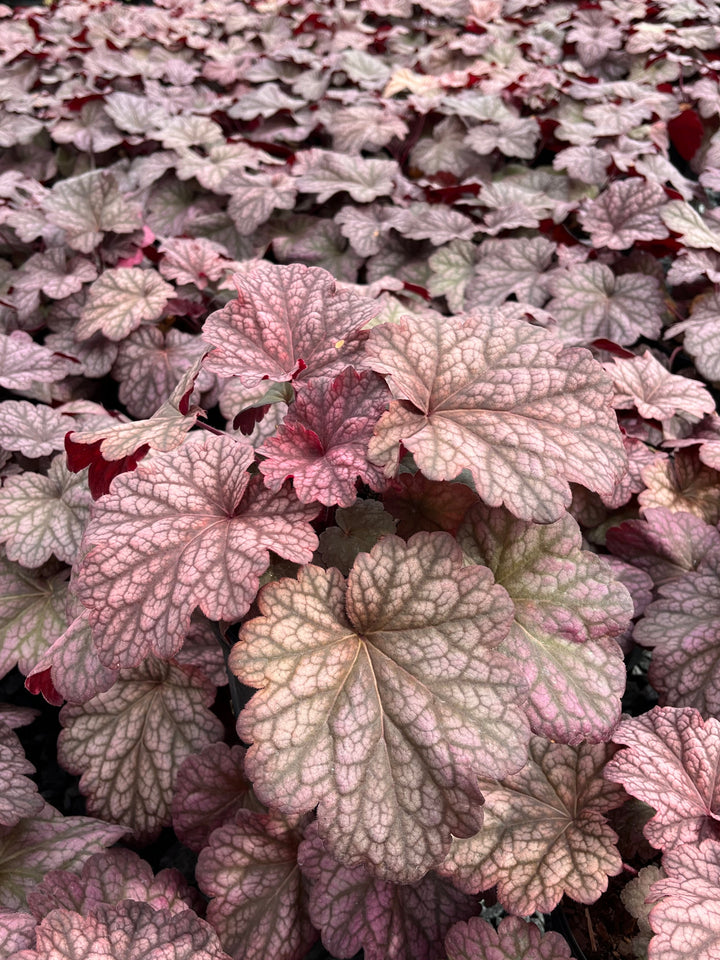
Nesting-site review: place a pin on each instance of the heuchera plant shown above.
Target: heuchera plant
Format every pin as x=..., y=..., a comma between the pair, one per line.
x=360, y=470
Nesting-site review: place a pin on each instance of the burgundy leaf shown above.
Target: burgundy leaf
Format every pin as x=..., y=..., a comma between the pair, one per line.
x=514, y=939
x=101, y=473
x=183, y=531
x=382, y=701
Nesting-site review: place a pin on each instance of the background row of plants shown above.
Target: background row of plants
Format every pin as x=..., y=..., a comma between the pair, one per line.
x=362, y=354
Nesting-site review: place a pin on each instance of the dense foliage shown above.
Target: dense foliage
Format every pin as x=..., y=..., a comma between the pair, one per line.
x=360, y=464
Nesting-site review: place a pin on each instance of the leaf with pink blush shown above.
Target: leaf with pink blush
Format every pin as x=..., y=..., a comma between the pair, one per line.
x=90, y=130
x=514, y=939
x=544, y=834
x=382, y=700
x=52, y=273
x=24, y=363
x=36, y=430
x=193, y=260
x=46, y=842
x=358, y=528
x=686, y=917
x=435, y=222
x=322, y=442
x=355, y=910
x=671, y=764
x=149, y=365
x=627, y=211
x=590, y=301
x=201, y=649
x=17, y=932
x=90, y=205
x=422, y=504
x=32, y=613
x=694, y=230
x=254, y=196
x=287, y=321
x=20, y=797
x=258, y=900
x=125, y=931
x=120, y=300
x=188, y=529
x=479, y=392
x=640, y=456
x=701, y=331
x=511, y=266
x=656, y=394
x=42, y=516
x=110, y=877
x=664, y=544
x=569, y=610
x=452, y=269
x=366, y=125
x=682, y=484
x=513, y=136
x=325, y=173
x=364, y=227
x=211, y=786
x=128, y=743
x=14, y=716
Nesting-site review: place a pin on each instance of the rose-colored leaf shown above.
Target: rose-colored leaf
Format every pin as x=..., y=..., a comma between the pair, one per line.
x=569, y=609
x=128, y=743
x=322, y=443
x=259, y=900
x=382, y=702
x=325, y=173
x=17, y=932
x=24, y=363
x=480, y=392
x=253, y=197
x=125, y=931
x=286, y=321
x=671, y=765
x=20, y=797
x=389, y=921
x=44, y=515
x=36, y=430
x=90, y=205
x=514, y=939
x=183, y=531
x=52, y=273
x=694, y=230
x=435, y=222
x=121, y=299
x=544, y=833
x=211, y=787
x=358, y=528
x=47, y=842
x=683, y=484
x=657, y=394
x=627, y=211
x=701, y=332
x=422, y=504
x=513, y=266
x=91, y=130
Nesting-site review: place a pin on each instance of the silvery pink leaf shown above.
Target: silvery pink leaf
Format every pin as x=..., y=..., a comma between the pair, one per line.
x=569, y=609
x=313, y=241
x=14, y=716
x=657, y=394
x=369, y=125
x=322, y=442
x=150, y=364
x=364, y=227
x=125, y=931
x=665, y=544
x=523, y=449
x=639, y=455
x=17, y=932
x=186, y=530
x=681, y=626
x=544, y=833
x=452, y=268
x=24, y=363
x=95, y=355
x=422, y=504
x=128, y=743
x=121, y=299
x=325, y=173
x=20, y=797
x=107, y=878
x=223, y=161
x=706, y=433
x=352, y=678
x=133, y=113
x=435, y=222
x=88, y=206
x=531, y=195
x=287, y=320
x=628, y=210
x=259, y=900
x=193, y=260
x=32, y=613
x=211, y=786
x=590, y=302
x=201, y=650
x=189, y=131
x=587, y=163
x=354, y=910
x=690, y=265
x=44, y=515
x=701, y=332
x=90, y=130
x=254, y=196
x=686, y=919
x=514, y=939
x=446, y=151
x=52, y=273
x=695, y=231
x=264, y=101
x=635, y=898
x=46, y=842
x=513, y=266
x=36, y=430
x=671, y=764
x=513, y=136
x=358, y=528
x=682, y=484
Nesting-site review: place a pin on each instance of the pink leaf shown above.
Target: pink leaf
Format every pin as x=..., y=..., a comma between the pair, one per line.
x=287, y=320
x=120, y=300
x=627, y=211
x=20, y=797
x=259, y=900
x=88, y=206
x=435, y=222
x=388, y=921
x=382, y=701
x=24, y=363
x=36, y=430
x=128, y=743
x=196, y=260
x=480, y=392
x=322, y=443
x=17, y=931
x=326, y=173
x=514, y=939
x=657, y=394
x=183, y=531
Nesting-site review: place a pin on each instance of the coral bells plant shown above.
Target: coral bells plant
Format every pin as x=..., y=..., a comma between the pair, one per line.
x=360, y=480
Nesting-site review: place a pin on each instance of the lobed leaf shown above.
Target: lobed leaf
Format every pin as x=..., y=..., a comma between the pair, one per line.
x=90, y=205
x=20, y=797
x=24, y=363
x=120, y=300
x=656, y=394
x=358, y=528
x=627, y=211
x=514, y=939
x=36, y=430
